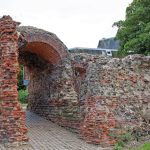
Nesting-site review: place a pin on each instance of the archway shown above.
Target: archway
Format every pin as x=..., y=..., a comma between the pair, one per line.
x=41, y=52
x=51, y=87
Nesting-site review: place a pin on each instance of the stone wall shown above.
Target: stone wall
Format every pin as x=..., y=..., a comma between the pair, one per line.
x=64, y=104
x=115, y=97
x=12, y=118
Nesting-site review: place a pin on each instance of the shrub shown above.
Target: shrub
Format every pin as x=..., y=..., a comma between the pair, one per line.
x=23, y=96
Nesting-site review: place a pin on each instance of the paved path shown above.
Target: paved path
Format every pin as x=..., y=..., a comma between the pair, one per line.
x=45, y=135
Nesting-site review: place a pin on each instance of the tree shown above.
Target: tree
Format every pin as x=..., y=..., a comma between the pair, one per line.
x=134, y=31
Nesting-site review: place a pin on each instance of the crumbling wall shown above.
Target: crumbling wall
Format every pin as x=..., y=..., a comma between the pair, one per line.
x=99, y=97
x=115, y=94
x=51, y=90
x=63, y=102
x=12, y=117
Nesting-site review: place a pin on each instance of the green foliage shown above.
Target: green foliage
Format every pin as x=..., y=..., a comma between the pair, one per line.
x=134, y=32
x=126, y=137
x=123, y=140
x=119, y=145
x=23, y=96
x=20, y=79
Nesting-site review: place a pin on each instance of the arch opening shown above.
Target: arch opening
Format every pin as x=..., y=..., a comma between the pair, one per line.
x=43, y=50
x=51, y=89
x=46, y=57
x=39, y=72
x=40, y=54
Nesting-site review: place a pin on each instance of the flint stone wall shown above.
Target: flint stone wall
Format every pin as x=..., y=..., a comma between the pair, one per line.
x=115, y=96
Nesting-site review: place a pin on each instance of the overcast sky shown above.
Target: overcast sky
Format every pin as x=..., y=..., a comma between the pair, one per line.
x=78, y=23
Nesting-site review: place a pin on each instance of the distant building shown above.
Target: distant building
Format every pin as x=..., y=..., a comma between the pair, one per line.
x=93, y=51
x=110, y=45
x=105, y=47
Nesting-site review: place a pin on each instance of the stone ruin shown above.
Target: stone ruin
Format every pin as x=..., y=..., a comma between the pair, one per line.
x=98, y=97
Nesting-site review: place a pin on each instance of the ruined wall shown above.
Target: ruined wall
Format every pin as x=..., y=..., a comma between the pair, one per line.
x=51, y=90
x=115, y=95
x=99, y=97
x=63, y=103
x=12, y=118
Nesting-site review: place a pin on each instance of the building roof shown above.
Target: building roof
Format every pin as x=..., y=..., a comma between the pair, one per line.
x=109, y=43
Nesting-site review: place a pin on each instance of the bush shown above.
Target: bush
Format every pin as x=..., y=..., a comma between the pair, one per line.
x=23, y=96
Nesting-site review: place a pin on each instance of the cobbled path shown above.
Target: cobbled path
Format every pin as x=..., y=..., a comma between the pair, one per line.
x=45, y=135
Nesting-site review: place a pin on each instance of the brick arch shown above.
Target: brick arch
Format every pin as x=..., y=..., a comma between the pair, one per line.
x=51, y=90
x=39, y=44
x=45, y=44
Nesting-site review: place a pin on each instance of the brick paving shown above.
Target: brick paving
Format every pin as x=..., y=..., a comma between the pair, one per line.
x=45, y=135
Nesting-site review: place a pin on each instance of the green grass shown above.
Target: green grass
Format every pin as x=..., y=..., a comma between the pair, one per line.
x=146, y=146
x=120, y=146
x=23, y=96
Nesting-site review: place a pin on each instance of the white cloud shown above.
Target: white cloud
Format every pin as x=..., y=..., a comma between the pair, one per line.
x=76, y=22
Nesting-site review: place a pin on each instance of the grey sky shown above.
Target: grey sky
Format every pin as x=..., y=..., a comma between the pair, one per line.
x=78, y=23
